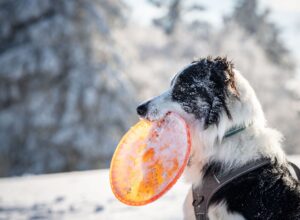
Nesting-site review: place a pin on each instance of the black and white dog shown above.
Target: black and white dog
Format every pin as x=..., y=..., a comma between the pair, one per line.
x=213, y=97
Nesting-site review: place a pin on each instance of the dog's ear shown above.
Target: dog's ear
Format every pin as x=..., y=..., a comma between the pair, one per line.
x=213, y=116
x=222, y=74
x=223, y=71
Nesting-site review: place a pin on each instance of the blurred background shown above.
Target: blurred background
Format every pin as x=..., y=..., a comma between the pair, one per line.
x=72, y=72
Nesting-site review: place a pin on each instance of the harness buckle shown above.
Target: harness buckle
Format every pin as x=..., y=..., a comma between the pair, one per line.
x=198, y=201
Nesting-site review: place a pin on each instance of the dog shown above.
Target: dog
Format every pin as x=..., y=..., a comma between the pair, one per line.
x=213, y=97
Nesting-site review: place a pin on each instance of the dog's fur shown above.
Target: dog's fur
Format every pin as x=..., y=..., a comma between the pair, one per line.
x=212, y=96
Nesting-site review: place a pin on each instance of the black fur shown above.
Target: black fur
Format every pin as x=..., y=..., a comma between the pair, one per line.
x=268, y=193
x=202, y=88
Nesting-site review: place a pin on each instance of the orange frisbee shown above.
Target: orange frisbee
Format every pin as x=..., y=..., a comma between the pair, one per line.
x=149, y=160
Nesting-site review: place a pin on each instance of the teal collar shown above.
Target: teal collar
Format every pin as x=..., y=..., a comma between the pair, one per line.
x=234, y=130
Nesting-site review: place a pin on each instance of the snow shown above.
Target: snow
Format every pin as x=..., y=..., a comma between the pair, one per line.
x=78, y=195
x=82, y=195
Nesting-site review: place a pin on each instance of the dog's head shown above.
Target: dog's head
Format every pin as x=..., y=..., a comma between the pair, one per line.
x=200, y=92
x=212, y=97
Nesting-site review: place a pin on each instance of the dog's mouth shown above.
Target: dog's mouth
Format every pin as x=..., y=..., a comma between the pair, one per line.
x=154, y=117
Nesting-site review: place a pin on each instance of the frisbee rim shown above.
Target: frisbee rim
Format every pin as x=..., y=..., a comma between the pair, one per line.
x=169, y=185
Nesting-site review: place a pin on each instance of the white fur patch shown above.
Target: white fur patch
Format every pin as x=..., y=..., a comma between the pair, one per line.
x=220, y=212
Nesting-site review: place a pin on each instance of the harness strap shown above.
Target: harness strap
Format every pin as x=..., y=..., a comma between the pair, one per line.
x=212, y=183
x=296, y=169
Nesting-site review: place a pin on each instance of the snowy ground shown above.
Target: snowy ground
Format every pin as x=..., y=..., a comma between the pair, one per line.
x=81, y=195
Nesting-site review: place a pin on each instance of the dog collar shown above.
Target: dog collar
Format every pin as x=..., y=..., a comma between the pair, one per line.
x=234, y=130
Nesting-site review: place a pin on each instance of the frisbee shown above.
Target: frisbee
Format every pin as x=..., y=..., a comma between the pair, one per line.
x=149, y=160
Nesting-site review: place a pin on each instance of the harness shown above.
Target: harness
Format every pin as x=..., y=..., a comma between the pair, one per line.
x=213, y=182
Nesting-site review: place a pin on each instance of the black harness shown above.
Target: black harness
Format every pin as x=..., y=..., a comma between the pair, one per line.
x=213, y=182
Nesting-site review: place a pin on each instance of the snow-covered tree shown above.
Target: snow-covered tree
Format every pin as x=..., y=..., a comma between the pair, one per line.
x=175, y=11
x=257, y=23
x=64, y=101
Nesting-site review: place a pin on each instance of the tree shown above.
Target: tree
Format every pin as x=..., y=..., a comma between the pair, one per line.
x=258, y=25
x=176, y=9
x=64, y=100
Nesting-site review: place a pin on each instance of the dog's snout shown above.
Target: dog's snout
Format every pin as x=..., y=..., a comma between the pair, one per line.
x=142, y=109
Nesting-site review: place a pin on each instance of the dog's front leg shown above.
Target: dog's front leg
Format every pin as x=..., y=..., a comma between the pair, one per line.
x=215, y=212
x=188, y=209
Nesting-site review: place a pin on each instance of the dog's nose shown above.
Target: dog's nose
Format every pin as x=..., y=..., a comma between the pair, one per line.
x=142, y=109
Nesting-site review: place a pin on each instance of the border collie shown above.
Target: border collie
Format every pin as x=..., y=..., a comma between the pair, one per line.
x=213, y=97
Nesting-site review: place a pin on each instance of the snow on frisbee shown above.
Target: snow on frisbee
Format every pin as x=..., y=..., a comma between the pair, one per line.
x=149, y=160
